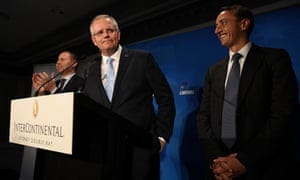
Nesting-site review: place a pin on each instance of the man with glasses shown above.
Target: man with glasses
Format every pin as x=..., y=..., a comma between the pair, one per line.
x=125, y=81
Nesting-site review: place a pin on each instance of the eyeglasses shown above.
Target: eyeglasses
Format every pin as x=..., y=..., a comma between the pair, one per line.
x=103, y=32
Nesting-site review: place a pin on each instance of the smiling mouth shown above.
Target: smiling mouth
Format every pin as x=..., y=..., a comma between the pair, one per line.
x=222, y=36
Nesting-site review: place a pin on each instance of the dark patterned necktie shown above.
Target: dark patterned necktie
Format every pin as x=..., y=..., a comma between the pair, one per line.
x=62, y=83
x=230, y=103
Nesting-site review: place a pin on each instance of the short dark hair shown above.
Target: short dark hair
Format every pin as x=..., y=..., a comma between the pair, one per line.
x=241, y=12
x=72, y=54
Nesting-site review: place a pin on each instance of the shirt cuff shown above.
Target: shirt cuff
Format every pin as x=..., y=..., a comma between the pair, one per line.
x=162, y=139
x=53, y=91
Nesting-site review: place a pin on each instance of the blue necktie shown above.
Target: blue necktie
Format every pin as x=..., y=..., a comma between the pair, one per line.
x=110, y=78
x=230, y=103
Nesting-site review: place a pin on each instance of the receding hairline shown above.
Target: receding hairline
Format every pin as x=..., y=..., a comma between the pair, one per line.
x=104, y=16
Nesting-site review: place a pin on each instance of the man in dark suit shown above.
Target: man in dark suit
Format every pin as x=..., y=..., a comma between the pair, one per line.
x=137, y=79
x=265, y=101
x=69, y=81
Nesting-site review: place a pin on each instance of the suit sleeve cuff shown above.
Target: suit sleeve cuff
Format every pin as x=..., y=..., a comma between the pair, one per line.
x=162, y=139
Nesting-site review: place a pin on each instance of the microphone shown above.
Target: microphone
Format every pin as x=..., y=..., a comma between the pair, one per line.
x=57, y=74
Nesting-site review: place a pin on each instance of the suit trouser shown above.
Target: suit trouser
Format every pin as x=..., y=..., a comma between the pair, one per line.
x=145, y=164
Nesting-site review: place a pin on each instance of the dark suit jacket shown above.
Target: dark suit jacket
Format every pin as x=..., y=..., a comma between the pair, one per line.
x=267, y=100
x=138, y=79
x=75, y=84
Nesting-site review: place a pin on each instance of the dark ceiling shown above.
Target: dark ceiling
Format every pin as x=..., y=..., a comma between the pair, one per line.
x=34, y=31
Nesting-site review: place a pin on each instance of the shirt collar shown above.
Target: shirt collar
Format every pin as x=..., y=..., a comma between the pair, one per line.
x=116, y=56
x=68, y=77
x=243, y=51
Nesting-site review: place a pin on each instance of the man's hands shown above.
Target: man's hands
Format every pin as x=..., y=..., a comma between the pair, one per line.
x=39, y=79
x=162, y=143
x=226, y=168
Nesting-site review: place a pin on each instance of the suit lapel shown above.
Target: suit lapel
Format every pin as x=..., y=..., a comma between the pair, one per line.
x=219, y=89
x=68, y=85
x=221, y=76
x=123, y=65
x=99, y=84
x=252, y=63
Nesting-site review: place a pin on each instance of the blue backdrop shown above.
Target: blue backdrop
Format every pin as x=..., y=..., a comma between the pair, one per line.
x=185, y=57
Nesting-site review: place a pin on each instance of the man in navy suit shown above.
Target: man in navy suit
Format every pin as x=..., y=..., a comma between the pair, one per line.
x=137, y=79
x=267, y=98
x=69, y=81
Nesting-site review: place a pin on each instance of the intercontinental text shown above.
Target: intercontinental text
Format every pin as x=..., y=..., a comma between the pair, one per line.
x=46, y=130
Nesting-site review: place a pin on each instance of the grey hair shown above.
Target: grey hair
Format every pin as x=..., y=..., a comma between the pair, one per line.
x=104, y=16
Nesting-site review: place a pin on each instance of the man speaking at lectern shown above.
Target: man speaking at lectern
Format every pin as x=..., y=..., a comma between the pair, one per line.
x=125, y=81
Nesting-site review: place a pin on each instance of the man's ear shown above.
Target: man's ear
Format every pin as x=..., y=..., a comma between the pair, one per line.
x=75, y=64
x=94, y=41
x=245, y=24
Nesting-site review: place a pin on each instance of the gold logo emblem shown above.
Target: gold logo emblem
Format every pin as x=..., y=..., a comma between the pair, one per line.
x=35, y=108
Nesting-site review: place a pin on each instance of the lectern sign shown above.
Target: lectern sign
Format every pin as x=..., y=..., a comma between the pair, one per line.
x=44, y=122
